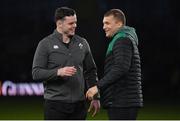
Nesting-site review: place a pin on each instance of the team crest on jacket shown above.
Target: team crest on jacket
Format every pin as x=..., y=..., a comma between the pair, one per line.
x=80, y=45
x=55, y=46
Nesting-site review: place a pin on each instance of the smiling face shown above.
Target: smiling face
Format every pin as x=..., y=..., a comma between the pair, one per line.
x=111, y=25
x=68, y=25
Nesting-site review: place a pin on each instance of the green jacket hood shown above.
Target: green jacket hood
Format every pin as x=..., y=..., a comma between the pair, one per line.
x=130, y=32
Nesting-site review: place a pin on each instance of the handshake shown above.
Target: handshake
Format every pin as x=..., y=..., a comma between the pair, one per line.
x=92, y=92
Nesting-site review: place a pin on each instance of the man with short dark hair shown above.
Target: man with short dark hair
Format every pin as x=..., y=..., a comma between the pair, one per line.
x=120, y=87
x=64, y=62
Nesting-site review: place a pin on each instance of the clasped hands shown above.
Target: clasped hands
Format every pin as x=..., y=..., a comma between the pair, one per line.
x=95, y=103
x=91, y=92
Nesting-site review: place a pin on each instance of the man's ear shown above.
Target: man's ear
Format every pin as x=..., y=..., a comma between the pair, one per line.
x=119, y=23
x=59, y=23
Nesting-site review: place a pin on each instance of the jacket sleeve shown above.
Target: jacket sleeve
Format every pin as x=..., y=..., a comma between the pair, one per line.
x=90, y=70
x=121, y=54
x=40, y=70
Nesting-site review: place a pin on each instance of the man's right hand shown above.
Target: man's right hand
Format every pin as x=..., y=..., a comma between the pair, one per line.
x=91, y=92
x=66, y=71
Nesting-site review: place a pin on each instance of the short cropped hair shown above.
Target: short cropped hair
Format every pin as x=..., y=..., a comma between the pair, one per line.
x=118, y=14
x=62, y=12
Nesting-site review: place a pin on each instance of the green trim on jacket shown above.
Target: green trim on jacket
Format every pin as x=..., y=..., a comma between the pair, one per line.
x=124, y=31
x=115, y=38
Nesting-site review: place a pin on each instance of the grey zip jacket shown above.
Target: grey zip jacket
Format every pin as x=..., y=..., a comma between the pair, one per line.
x=51, y=54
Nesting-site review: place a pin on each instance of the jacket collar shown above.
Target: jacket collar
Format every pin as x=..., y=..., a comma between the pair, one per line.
x=60, y=38
x=58, y=35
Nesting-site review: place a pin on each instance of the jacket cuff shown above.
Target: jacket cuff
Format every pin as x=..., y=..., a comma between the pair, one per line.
x=97, y=96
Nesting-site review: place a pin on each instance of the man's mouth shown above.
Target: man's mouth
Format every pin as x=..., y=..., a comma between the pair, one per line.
x=106, y=31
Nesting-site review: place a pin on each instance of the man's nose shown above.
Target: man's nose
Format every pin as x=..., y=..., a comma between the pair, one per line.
x=104, y=27
x=74, y=25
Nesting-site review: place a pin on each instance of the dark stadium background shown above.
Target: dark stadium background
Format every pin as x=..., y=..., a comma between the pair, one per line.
x=23, y=23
